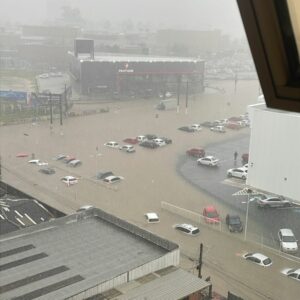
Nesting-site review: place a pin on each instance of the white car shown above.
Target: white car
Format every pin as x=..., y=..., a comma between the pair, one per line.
x=74, y=163
x=85, y=207
x=112, y=144
x=141, y=138
x=45, y=75
x=187, y=229
x=196, y=127
x=218, y=128
x=152, y=217
x=245, y=166
x=127, y=148
x=159, y=142
x=113, y=179
x=292, y=273
x=287, y=240
x=69, y=180
x=37, y=162
x=259, y=259
x=238, y=173
x=208, y=161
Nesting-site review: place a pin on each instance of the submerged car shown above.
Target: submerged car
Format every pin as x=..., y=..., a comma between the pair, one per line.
x=149, y=144
x=127, y=148
x=152, y=217
x=103, y=174
x=131, y=141
x=208, y=161
x=267, y=201
x=292, y=273
x=112, y=144
x=287, y=241
x=259, y=259
x=113, y=179
x=48, y=171
x=69, y=180
x=37, y=162
x=187, y=229
x=211, y=215
x=196, y=152
x=159, y=142
x=237, y=173
x=219, y=128
x=187, y=129
x=234, y=223
x=166, y=140
x=75, y=163
x=196, y=127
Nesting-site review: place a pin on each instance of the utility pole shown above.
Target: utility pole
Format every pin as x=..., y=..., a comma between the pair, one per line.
x=199, y=267
x=60, y=109
x=178, y=91
x=66, y=100
x=51, y=112
x=186, y=97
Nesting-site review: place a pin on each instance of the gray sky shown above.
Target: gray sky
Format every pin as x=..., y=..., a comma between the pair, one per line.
x=180, y=14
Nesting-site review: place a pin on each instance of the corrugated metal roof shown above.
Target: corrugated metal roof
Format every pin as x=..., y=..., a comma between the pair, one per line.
x=172, y=286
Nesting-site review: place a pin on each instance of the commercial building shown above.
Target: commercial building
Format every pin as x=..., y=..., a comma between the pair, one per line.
x=93, y=255
x=135, y=75
x=274, y=151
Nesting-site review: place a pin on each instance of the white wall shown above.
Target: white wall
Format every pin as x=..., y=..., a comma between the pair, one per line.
x=274, y=163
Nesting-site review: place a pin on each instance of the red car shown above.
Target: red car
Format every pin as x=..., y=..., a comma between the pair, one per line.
x=233, y=125
x=211, y=215
x=245, y=158
x=196, y=152
x=22, y=154
x=131, y=141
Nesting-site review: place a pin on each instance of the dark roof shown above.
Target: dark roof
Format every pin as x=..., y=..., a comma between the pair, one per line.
x=19, y=213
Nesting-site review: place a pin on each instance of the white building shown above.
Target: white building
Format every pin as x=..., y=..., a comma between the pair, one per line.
x=274, y=155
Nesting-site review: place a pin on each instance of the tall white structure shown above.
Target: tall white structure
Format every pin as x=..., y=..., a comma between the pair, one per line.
x=274, y=156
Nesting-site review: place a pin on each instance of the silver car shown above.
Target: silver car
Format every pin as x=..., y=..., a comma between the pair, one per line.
x=267, y=201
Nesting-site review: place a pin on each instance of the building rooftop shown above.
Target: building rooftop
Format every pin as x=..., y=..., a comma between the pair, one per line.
x=19, y=213
x=109, y=57
x=61, y=258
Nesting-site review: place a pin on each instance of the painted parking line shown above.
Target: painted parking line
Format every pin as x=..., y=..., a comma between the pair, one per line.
x=235, y=183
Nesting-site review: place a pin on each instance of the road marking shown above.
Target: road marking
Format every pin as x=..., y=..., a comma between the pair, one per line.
x=234, y=183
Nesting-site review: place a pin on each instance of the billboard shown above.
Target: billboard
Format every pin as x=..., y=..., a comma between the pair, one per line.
x=14, y=95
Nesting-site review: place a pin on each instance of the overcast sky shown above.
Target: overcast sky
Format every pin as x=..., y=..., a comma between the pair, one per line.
x=180, y=14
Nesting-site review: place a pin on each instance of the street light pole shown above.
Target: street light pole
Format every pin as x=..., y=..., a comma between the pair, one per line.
x=246, y=221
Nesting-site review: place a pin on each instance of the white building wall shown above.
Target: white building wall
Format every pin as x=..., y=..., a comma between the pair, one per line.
x=274, y=156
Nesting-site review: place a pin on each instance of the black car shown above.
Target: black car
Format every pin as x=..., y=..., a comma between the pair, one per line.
x=149, y=144
x=150, y=136
x=47, y=171
x=187, y=129
x=209, y=124
x=104, y=174
x=166, y=140
x=234, y=223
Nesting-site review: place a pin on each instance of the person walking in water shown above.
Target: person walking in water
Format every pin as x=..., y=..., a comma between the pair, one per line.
x=235, y=155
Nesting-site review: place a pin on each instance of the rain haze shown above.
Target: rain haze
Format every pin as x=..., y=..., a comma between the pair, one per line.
x=191, y=14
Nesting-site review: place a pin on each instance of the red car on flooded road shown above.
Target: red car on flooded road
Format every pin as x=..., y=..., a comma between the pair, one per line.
x=211, y=215
x=196, y=152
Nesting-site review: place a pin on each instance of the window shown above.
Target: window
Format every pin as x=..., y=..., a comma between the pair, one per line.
x=271, y=34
